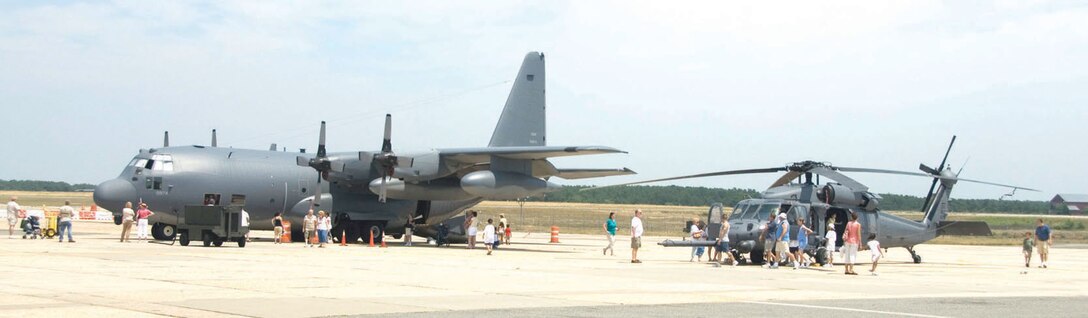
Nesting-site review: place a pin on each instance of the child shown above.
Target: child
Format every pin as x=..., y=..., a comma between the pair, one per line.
x=1029, y=243
x=489, y=236
x=508, y=234
x=874, y=247
x=802, y=242
x=830, y=245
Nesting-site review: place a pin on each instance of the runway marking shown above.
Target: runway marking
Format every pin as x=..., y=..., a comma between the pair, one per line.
x=907, y=314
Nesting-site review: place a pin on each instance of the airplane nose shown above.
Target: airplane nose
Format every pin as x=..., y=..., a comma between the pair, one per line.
x=112, y=194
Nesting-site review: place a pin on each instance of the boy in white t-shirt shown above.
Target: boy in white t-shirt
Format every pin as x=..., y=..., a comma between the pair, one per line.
x=830, y=237
x=874, y=248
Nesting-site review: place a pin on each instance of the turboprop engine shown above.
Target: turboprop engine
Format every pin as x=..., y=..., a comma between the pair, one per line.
x=505, y=185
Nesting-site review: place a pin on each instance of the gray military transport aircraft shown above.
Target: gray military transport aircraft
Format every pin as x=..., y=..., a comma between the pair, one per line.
x=826, y=206
x=364, y=191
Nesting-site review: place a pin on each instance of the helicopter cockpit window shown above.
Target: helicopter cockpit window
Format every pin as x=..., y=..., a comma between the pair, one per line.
x=765, y=211
x=738, y=212
x=795, y=213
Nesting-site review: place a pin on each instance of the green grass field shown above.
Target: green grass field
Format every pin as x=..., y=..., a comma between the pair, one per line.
x=662, y=220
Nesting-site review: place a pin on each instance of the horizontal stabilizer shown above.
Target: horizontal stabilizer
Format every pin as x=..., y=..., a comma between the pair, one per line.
x=571, y=174
x=476, y=155
x=685, y=243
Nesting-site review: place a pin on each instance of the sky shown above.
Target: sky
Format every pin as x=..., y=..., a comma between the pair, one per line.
x=684, y=87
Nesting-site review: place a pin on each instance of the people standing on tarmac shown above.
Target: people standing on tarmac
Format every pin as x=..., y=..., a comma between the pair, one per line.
x=471, y=228
x=13, y=216
x=802, y=242
x=245, y=222
x=128, y=216
x=408, y=227
x=770, y=257
x=852, y=239
x=1043, y=241
x=504, y=224
x=695, y=234
x=489, y=236
x=636, y=235
x=500, y=231
x=1029, y=243
x=508, y=233
x=323, y=226
x=782, y=240
x=722, y=245
x=142, y=214
x=874, y=248
x=610, y=233
x=64, y=222
x=829, y=244
x=277, y=228
x=309, y=225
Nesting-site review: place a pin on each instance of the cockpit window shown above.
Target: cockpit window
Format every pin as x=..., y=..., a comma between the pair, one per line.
x=765, y=211
x=158, y=163
x=738, y=212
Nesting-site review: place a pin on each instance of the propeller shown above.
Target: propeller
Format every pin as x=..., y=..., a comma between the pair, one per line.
x=934, y=176
x=320, y=162
x=701, y=175
x=386, y=160
x=929, y=195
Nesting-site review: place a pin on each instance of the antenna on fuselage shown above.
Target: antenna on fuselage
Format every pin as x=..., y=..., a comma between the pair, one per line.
x=273, y=147
x=214, y=143
x=165, y=139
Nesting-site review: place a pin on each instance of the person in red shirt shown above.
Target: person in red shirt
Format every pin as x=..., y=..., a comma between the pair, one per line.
x=851, y=239
x=141, y=221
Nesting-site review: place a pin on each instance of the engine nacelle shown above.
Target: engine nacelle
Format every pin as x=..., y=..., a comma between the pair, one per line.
x=435, y=190
x=505, y=185
x=838, y=194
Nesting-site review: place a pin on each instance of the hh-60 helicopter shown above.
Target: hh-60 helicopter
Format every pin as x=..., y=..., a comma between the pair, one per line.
x=824, y=206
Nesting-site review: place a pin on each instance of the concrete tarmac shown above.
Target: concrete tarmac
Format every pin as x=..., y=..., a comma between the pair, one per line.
x=100, y=277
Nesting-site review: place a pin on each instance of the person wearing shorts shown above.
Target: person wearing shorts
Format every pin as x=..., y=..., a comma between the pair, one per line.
x=13, y=216
x=829, y=244
x=802, y=242
x=277, y=227
x=1029, y=244
x=1043, y=242
x=769, y=230
x=852, y=239
x=782, y=240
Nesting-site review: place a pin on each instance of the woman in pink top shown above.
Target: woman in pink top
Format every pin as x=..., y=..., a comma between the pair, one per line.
x=851, y=239
x=141, y=221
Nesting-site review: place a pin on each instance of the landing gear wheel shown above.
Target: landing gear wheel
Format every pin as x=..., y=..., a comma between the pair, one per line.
x=917, y=258
x=378, y=230
x=352, y=232
x=218, y=243
x=397, y=236
x=208, y=238
x=183, y=238
x=163, y=232
x=241, y=242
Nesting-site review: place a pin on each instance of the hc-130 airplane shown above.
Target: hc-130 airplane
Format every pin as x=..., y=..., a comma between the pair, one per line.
x=364, y=191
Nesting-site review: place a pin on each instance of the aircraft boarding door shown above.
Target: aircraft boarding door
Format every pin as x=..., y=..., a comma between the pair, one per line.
x=714, y=222
x=796, y=212
x=839, y=217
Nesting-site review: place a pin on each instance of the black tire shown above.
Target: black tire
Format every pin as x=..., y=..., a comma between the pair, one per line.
x=241, y=242
x=208, y=238
x=163, y=232
x=49, y=233
x=218, y=243
x=352, y=232
x=183, y=238
x=378, y=229
x=917, y=258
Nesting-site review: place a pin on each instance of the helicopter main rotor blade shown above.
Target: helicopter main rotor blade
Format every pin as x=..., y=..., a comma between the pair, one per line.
x=919, y=174
x=701, y=175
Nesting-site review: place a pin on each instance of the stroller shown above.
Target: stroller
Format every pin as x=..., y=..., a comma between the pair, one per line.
x=443, y=235
x=32, y=228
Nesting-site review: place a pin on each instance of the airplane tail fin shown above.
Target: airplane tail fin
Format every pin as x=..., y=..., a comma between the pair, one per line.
x=522, y=119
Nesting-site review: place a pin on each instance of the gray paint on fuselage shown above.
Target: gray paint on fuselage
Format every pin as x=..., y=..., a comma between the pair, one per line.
x=281, y=186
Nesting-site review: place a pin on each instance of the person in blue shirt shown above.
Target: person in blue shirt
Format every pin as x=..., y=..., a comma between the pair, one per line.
x=610, y=232
x=770, y=230
x=1043, y=241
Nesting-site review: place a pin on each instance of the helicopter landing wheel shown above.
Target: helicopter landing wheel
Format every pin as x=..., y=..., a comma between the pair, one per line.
x=914, y=255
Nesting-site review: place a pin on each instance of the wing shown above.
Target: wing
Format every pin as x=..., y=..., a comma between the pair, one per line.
x=570, y=174
x=481, y=155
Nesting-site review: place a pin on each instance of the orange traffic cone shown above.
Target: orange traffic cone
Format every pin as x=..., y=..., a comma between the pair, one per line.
x=383, y=243
x=343, y=238
x=371, y=239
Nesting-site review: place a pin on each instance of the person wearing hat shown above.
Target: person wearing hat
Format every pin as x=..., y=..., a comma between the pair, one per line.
x=503, y=225
x=141, y=221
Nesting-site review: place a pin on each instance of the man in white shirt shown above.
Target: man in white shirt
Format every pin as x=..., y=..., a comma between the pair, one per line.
x=13, y=216
x=636, y=235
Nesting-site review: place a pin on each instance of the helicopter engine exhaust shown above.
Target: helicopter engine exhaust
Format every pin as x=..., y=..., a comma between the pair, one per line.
x=842, y=195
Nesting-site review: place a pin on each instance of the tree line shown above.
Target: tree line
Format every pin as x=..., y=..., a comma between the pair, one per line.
x=702, y=196
x=38, y=185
